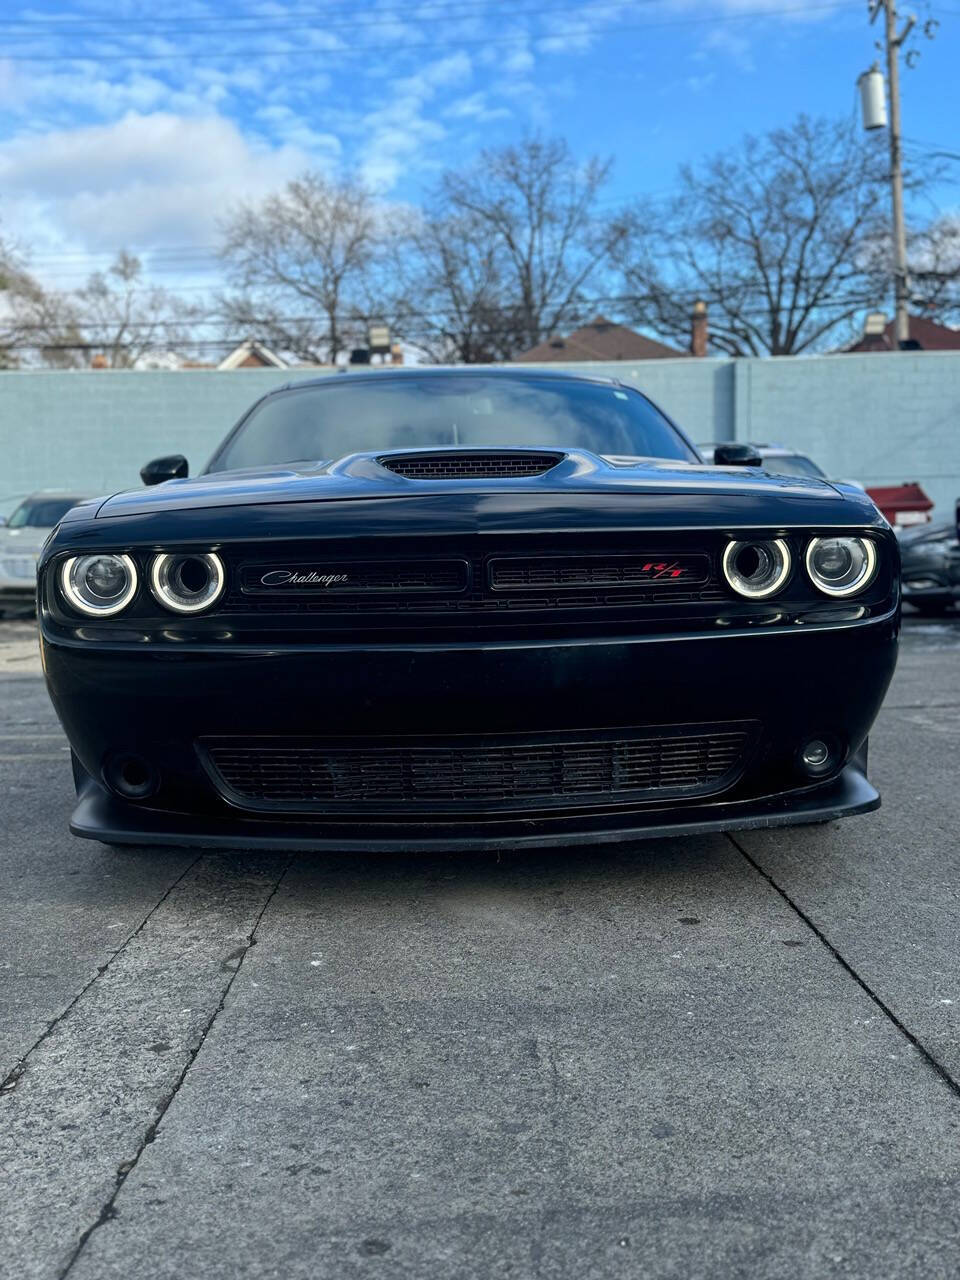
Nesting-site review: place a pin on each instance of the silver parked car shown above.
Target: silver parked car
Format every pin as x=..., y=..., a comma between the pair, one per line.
x=779, y=460
x=21, y=538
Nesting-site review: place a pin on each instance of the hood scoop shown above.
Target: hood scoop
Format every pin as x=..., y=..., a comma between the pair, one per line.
x=470, y=464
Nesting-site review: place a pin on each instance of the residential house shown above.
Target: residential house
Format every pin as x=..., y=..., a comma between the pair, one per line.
x=600, y=340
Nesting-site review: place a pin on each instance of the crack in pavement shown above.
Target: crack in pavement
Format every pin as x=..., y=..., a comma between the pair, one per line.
x=926, y=1054
x=108, y=1211
x=9, y=1081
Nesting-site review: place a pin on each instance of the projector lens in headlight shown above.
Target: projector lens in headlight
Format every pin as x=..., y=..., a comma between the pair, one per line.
x=98, y=585
x=187, y=583
x=841, y=566
x=757, y=569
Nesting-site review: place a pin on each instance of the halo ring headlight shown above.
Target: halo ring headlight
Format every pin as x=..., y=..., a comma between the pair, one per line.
x=842, y=565
x=187, y=582
x=98, y=585
x=757, y=568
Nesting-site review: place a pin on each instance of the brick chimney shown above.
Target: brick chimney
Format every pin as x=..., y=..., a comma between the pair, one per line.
x=698, y=329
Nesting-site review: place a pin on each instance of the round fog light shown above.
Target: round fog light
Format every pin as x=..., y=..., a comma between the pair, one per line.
x=815, y=754
x=819, y=756
x=131, y=776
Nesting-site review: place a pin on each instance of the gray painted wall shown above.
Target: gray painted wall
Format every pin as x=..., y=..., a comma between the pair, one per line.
x=879, y=419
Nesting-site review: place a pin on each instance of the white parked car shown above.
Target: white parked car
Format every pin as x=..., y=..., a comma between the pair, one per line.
x=21, y=538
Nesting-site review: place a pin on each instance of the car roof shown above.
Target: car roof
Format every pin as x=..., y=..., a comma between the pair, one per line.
x=363, y=373
x=41, y=495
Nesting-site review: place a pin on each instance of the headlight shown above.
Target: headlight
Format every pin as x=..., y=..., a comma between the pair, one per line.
x=187, y=583
x=841, y=566
x=98, y=585
x=757, y=569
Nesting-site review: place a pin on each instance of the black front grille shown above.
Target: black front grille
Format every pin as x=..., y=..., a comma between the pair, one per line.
x=659, y=571
x=478, y=775
x=503, y=585
x=469, y=466
x=332, y=576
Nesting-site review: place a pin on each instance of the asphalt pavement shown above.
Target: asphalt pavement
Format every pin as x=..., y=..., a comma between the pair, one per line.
x=715, y=1056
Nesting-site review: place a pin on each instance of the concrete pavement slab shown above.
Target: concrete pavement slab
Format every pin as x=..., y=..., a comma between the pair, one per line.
x=67, y=906
x=633, y=1063
x=585, y=1064
x=885, y=889
x=77, y=1116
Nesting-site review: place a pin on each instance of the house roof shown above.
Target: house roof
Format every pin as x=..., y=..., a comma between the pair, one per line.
x=252, y=355
x=927, y=334
x=599, y=340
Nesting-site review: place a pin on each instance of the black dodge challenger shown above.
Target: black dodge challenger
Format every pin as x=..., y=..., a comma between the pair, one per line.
x=466, y=608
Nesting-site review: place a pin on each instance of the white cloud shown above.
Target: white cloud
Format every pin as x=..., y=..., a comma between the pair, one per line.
x=288, y=126
x=699, y=84
x=786, y=10
x=143, y=180
x=140, y=153
x=729, y=44
x=400, y=135
x=474, y=107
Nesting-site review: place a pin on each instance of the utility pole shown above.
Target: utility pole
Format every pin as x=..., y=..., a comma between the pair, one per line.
x=901, y=280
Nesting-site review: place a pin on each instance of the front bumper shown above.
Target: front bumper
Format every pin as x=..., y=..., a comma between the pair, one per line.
x=101, y=816
x=158, y=702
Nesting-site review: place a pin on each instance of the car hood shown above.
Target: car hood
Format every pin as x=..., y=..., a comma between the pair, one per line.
x=362, y=476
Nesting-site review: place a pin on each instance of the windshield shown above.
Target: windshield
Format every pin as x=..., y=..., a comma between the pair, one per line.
x=41, y=513
x=409, y=412
x=793, y=464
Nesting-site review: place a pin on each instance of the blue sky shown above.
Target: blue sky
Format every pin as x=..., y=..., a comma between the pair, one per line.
x=123, y=130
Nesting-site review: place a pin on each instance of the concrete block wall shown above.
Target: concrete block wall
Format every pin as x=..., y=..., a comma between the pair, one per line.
x=91, y=431
x=879, y=419
x=877, y=423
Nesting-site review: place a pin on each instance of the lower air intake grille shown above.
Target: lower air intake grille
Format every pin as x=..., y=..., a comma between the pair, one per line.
x=477, y=775
x=458, y=465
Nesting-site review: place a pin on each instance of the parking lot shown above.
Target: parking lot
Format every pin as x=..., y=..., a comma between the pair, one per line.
x=715, y=1056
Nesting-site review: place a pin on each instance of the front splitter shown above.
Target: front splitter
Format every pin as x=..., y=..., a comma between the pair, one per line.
x=99, y=816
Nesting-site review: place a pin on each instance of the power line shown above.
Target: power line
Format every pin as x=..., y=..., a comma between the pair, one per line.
x=684, y=297
x=432, y=324
x=396, y=46
x=342, y=19
x=297, y=16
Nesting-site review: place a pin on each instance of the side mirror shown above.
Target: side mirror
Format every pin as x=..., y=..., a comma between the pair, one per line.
x=3, y=521
x=175, y=467
x=736, y=455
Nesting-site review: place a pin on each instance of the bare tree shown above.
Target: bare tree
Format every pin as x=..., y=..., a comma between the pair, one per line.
x=301, y=262
x=774, y=236
x=36, y=327
x=520, y=234
x=452, y=306
x=934, y=257
x=123, y=318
